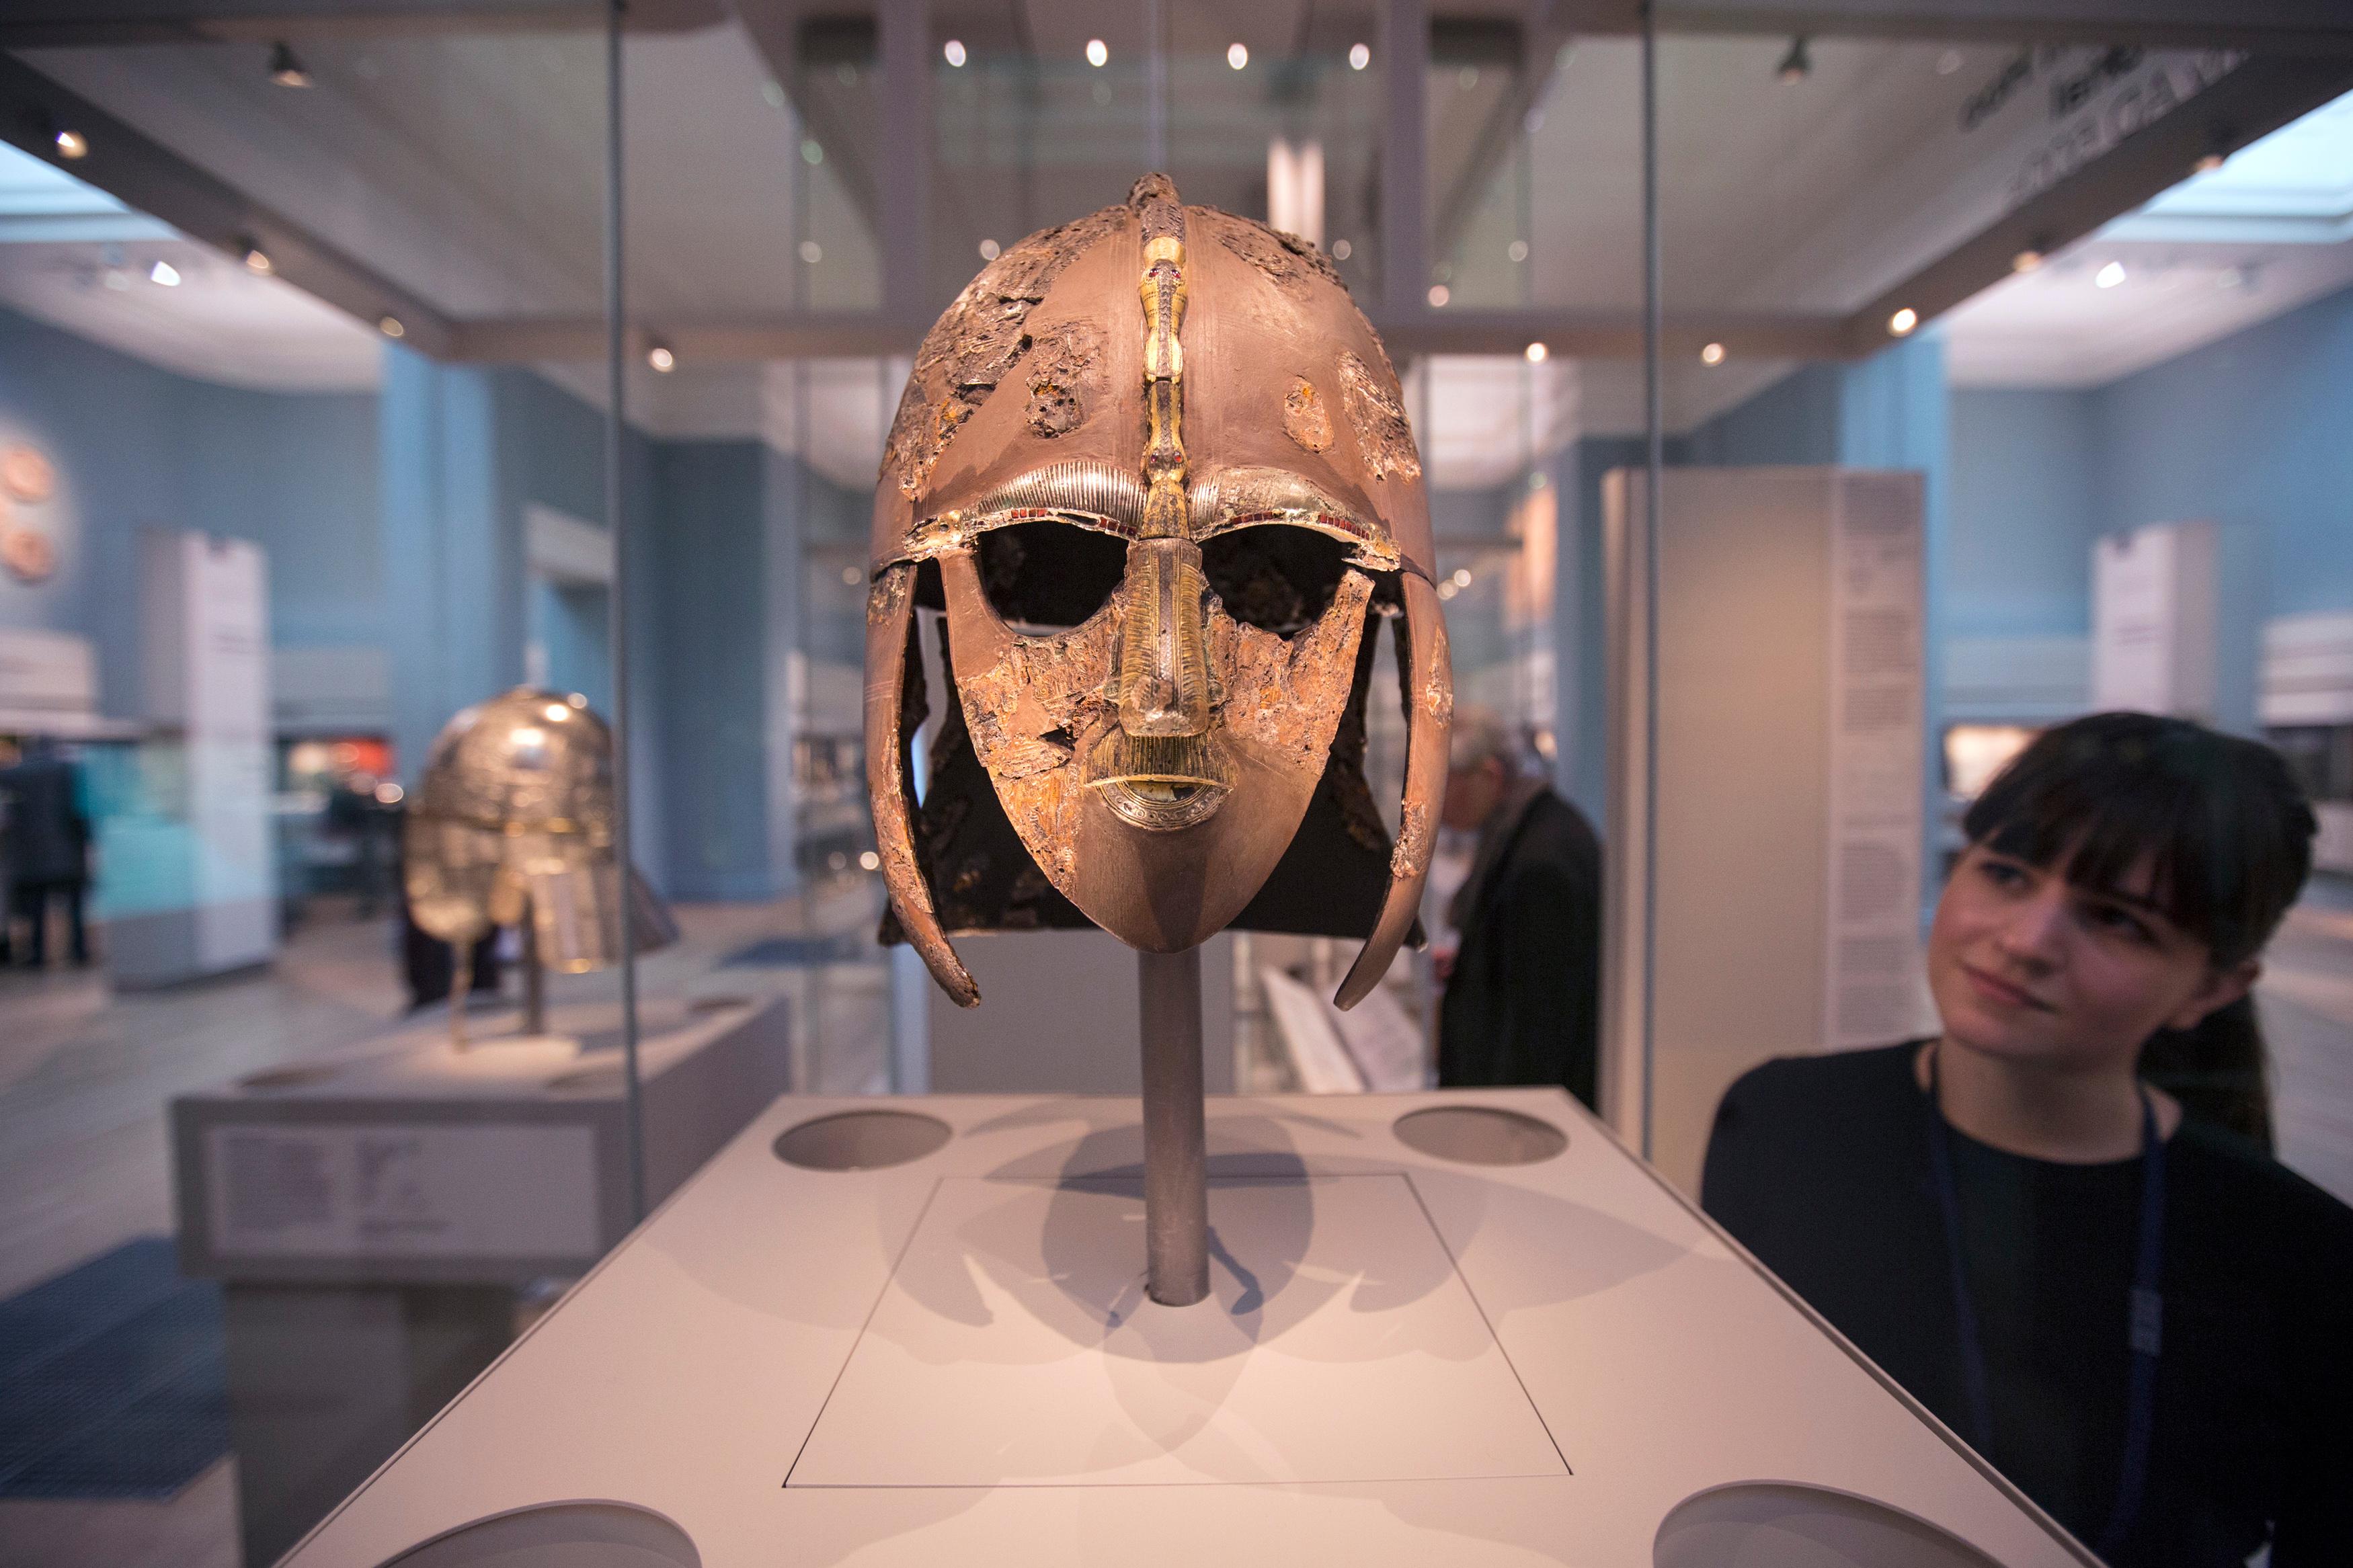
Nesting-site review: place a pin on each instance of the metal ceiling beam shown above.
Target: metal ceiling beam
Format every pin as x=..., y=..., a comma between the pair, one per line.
x=73, y=24
x=2274, y=25
x=152, y=179
x=2271, y=25
x=1595, y=334
x=2258, y=97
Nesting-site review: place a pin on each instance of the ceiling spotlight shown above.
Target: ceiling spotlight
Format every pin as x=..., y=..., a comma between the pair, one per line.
x=661, y=359
x=72, y=144
x=1902, y=321
x=1438, y=294
x=812, y=252
x=390, y=327
x=1796, y=64
x=2108, y=276
x=285, y=69
x=1342, y=250
x=1537, y=353
x=954, y=52
x=1517, y=251
x=257, y=260
x=1948, y=62
x=1712, y=355
x=2207, y=165
x=1237, y=55
x=1359, y=55
x=2026, y=260
x=166, y=274
x=1461, y=578
x=1097, y=53
x=989, y=250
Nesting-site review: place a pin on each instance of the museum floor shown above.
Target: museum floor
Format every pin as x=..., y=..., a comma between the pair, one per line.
x=85, y=1076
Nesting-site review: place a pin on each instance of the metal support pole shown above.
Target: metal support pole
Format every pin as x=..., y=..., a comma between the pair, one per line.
x=534, y=979
x=1654, y=463
x=633, y=1112
x=1175, y=1148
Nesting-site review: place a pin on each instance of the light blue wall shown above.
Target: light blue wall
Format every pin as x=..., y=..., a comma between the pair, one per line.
x=711, y=515
x=135, y=447
x=2026, y=507
x=465, y=448
x=1581, y=614
x=2254, y=432
x=1795, y=420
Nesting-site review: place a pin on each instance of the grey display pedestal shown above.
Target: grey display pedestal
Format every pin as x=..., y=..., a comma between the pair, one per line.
x=373, y=1217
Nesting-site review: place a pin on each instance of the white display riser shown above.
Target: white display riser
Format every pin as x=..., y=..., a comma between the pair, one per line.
x=1405, y=1359
x=408, y=1161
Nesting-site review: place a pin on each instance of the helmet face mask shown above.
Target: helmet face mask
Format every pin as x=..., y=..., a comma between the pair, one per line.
x=1156, y=570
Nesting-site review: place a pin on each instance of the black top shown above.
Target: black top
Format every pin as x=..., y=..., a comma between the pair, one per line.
x=1819, y=1165
x=47, y=841
x=1523, y=1004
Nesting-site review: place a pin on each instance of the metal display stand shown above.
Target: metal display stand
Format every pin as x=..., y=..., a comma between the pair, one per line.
x=1175, y=1152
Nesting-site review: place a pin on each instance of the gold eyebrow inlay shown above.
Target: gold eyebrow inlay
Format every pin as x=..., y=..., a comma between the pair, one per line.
x=1095, y=495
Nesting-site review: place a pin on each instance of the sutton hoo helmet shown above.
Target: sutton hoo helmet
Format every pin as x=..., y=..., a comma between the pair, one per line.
x=1155, y=466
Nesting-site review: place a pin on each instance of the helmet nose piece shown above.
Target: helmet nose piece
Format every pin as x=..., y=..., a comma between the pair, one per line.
x=1159, y=769
x=1164, y=670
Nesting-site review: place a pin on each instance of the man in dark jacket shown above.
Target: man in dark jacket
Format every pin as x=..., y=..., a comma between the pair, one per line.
x=1522, y=999
x=47, y=851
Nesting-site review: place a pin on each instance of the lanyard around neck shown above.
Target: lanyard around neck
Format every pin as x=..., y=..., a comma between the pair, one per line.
x=2143, y=1318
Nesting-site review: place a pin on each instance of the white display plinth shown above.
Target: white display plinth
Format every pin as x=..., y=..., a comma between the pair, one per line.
x=410, y=1159
x=1405, y=1359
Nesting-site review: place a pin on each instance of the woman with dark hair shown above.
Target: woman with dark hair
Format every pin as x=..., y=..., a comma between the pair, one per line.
x=2133, y=1312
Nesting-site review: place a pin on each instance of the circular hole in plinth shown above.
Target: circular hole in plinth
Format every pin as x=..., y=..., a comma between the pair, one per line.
x=1780, y=1524
x=286, y=1078
x=1480, y=1135
x=560, y=1535
x=862, y=1139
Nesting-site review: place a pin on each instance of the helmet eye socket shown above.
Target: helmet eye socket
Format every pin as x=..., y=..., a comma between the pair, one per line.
x=1277, y=578
x=1047, y=574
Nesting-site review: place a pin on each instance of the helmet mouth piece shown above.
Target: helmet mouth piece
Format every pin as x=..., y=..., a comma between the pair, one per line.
x=1159, y=783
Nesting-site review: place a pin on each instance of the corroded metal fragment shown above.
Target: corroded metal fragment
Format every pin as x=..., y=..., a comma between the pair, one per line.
x=1376, y=414
x=1059, y=360
x=1304, y=418
x=1286, y=696
x=1411, y=853
x=1292, y=263
x=976, y=345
